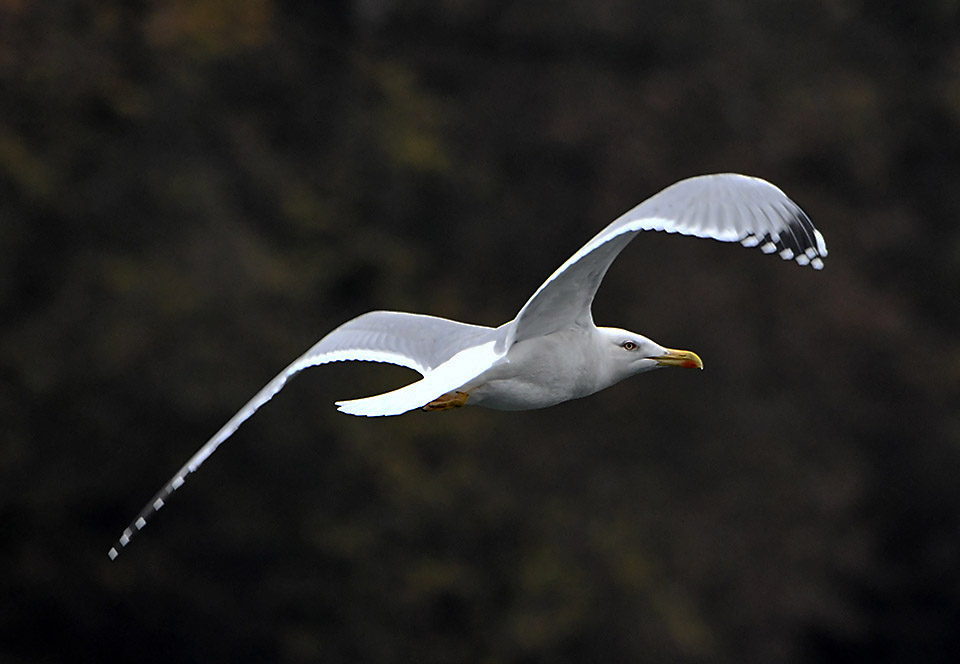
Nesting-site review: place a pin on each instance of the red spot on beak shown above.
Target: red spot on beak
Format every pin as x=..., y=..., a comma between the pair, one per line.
x=689, y=364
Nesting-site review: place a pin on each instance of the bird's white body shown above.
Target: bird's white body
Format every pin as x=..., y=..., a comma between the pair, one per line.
x=552, y=351
x=568, y=364
x=538, y=373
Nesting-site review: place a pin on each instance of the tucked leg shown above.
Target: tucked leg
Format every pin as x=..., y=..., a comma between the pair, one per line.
x=449, y=400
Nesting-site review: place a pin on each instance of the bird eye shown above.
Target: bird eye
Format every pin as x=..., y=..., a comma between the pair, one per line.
x=629, y=345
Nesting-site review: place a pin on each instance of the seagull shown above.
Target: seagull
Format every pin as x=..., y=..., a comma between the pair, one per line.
x=551, y=351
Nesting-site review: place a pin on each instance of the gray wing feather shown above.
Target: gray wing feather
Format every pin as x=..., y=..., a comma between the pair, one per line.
x=726, y=207
x=410, y=340
x=426, y=341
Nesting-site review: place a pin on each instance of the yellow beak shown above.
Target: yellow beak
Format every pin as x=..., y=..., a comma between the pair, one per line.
x=679, y=358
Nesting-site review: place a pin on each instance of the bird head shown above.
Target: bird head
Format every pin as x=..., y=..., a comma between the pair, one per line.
x=630, y=353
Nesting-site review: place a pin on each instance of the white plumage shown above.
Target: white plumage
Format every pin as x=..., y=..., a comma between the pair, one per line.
x=551, y=351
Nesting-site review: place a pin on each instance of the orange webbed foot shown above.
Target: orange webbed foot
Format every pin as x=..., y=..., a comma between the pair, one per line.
x=455, y=399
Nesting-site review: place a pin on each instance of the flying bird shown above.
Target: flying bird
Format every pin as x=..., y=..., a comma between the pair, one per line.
x=551, y=351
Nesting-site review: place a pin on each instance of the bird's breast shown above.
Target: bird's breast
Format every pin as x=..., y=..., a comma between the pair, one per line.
x=538, y=373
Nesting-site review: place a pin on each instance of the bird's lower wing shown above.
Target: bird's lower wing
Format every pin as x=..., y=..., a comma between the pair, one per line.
x=422, y=343
x=455, y=372
x=726, y=207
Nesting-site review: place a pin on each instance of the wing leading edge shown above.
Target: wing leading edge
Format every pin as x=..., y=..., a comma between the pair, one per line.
x=727, y=207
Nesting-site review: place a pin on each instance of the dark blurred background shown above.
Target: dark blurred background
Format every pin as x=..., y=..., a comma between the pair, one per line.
x=192, y=192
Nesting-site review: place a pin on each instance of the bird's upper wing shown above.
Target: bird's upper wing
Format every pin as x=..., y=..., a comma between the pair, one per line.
x=421, y=343
x=726, y=207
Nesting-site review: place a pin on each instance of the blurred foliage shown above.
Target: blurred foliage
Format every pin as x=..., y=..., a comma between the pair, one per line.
x=193, y=191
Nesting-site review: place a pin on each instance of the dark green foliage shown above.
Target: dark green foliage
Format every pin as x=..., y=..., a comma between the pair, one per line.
x=192, y=192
